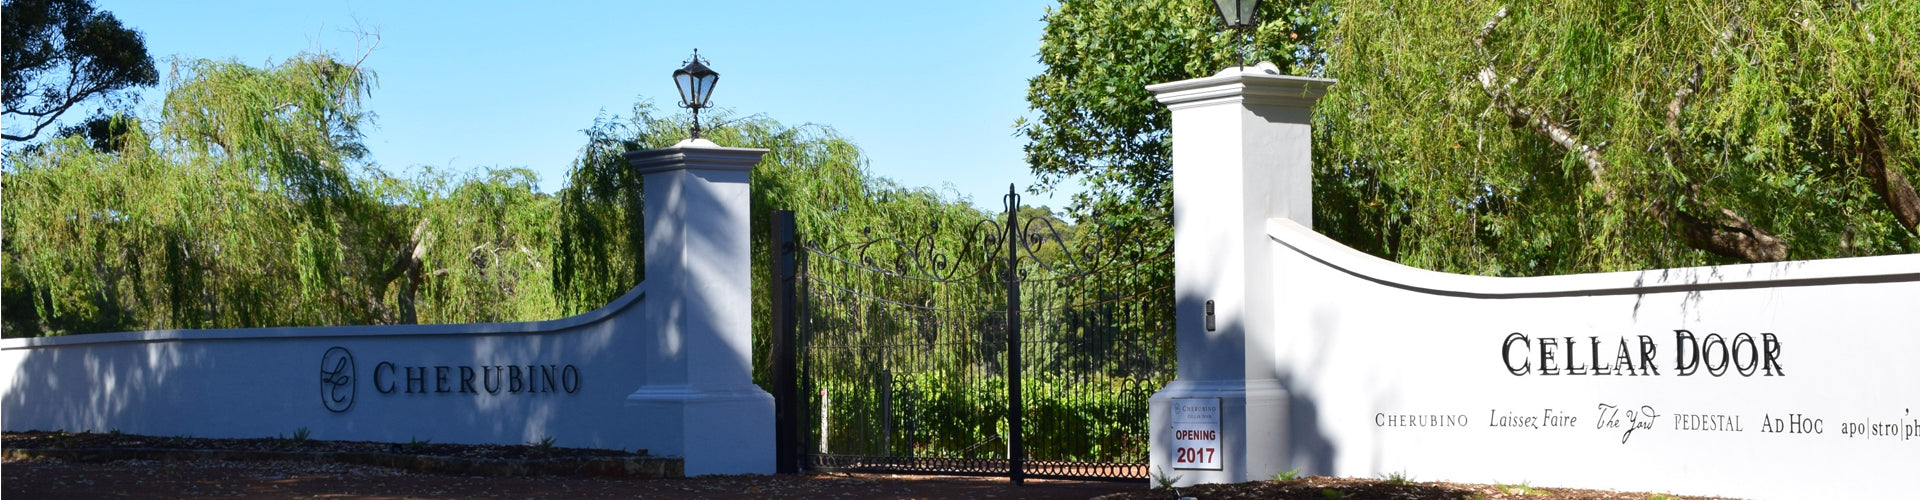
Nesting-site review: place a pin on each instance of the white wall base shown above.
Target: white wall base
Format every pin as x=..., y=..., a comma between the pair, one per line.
x=1253, y=428
x=717, y=431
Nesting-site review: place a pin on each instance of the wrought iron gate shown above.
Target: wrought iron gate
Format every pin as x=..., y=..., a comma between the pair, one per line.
x=1005, y=348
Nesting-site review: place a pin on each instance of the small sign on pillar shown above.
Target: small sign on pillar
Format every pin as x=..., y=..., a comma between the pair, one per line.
x=1196, y=433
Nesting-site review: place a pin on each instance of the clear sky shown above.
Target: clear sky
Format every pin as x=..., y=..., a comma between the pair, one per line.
x=930, y=91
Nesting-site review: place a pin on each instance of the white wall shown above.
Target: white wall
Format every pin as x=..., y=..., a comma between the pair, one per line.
x=268, y=381
x=1362, y=343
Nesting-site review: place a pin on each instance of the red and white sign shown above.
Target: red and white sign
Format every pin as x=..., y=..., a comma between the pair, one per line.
x=1196, y=433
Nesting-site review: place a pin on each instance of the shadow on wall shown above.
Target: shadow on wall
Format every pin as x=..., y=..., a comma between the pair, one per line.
x=1308, y=447
x=104, y=389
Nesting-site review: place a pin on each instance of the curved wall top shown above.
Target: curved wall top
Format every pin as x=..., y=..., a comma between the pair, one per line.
x=1315, y=246
x=603, y=313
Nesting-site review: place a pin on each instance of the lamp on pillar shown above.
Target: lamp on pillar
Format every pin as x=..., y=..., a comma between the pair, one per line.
x=1239, y=16
x=697, y=251
x=695, y=81
x=697, y=399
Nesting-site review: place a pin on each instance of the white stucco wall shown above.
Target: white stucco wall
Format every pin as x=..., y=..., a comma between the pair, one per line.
x=268, y=381
x=1371, y=351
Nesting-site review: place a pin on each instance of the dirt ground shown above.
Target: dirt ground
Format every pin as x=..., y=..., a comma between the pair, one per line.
x=1339, y=488
x=62, y=479
x=27, y=476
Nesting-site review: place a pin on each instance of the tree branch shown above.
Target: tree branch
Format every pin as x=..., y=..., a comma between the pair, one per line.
x=416, y=262
x=1731, y=236
x=1554, y=131
x=1680, y=98
x=1675, y=143
x=1486, y=30
x=1892, y=187
x=47, y=116
x=44, y=118
x=406, y=263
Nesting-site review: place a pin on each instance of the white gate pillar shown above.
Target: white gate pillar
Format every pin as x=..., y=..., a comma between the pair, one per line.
x=699, y=390
x=1242, y=153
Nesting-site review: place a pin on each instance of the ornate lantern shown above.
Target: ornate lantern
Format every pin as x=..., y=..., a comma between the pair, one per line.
x=696, y=82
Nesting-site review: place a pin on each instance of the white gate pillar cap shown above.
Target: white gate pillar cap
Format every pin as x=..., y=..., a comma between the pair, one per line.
x=1261, y=84
x=699, y=154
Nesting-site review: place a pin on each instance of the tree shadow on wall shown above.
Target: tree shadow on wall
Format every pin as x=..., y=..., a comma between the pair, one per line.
x=1308, y=447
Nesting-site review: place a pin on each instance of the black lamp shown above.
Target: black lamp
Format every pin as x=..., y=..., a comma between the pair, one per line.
x=696, y=84
x=1239, y=16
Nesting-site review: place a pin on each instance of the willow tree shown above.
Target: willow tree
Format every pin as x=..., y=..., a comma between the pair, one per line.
x=480, y=250
x=809, y=169
x=238, y=207
x=1538, y=139
x=1530, y=139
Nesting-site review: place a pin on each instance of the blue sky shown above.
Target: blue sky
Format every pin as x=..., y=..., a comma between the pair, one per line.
x=930, y=91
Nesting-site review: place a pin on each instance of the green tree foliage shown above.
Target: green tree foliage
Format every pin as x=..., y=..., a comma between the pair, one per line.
x=59, y=53
x=1500, y=139
x=250, y=202
x=597, y=252
x=808, y=169
x=240, y=210
x=1097, y=123
x=1539, y=139
x=482, y=249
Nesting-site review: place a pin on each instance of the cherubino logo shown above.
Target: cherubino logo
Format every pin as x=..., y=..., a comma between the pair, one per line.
x=340, y=379
x=337, y=381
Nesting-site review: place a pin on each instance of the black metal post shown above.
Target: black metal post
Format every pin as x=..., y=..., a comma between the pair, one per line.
x=786, y=397
x=1240, y=49
x=886, y=412
x=803, y=364
x=1016, y=451
x=695, y=132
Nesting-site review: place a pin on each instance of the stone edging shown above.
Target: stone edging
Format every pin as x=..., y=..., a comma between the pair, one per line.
x=637, y=467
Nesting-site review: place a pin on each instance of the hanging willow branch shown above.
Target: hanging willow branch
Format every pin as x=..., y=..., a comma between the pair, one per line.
x=1729, y=234
x=1892, y=187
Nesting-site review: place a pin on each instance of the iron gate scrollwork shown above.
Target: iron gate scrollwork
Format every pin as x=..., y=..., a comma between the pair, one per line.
x=1011, y=347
